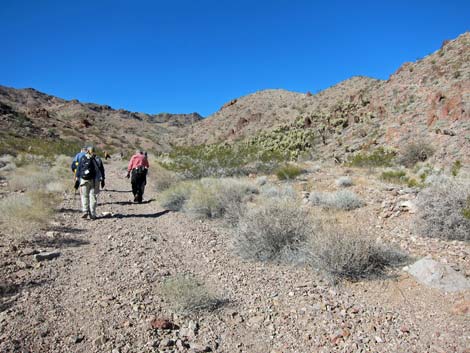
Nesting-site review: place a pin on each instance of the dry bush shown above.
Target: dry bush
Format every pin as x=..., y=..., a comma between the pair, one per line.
x=344, y=182
x=28, y=177
x=27, y=211
x=342, y=253
x=415, y=152
x=341, y=200
x=186, y=294
x=212, y=198
x=162, y=178
x=175, y=196
x=274, y=230
x=283, y=192
x=442, y=210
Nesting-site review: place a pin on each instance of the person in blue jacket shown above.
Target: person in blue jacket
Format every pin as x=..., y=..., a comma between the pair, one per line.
x=76, y=160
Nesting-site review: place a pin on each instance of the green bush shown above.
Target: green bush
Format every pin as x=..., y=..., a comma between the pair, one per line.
x=378, y=158
x=288, y=172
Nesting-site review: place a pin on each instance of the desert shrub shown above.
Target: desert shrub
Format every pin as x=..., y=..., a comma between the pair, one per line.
x=39, y=146
x=27, y=211
x=455, y=169
x=341, y=200
x=378, y=158
x=274, y=230
x=344, y=181
x=30, y=177
x=213, y=198
x=220, y=160
x=415, y=152
x=442, y=210
x=342, y=253
x=288, y=172
x=163, y=179
x=394, y=176
x=175, y=196
x=282, y=192
x=186, y=294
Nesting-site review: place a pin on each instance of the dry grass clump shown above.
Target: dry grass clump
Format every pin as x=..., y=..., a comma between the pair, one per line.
x=176, y=195
x=288, y=172
x=186, y=294
x=442, y=210
x=213, y=198
x=162, y=178
x=27, y=211
x=274, y=230
x=342, y=253
x=344, y=182
x=341, y=200
x=283, y=192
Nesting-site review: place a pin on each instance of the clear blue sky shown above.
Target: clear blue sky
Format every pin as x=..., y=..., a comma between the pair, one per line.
x=183, y=56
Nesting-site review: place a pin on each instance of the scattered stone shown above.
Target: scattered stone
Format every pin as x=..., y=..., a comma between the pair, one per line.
x=163, y=324
x=22, y=265
x=408, y=206
x=100, y=341
x=198, y=348
x=167, y=342
x=29, y=251
x=46, y=256
x=52, y=234
x=437, y=275
x=462, y=308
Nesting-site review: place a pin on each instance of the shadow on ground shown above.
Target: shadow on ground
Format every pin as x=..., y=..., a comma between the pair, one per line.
x=121, y=191
x=58, y=242
x=9, y=292
x=148, y=215
x=124, y=203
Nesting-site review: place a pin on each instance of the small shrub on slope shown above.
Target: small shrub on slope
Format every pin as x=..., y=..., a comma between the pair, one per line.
x=344, y=182
x=288, y=172
x=415, y=152
x=341, y=200
x=175, y=196
x=274, y=230
x=442, y=210
x=345, y=254
x=186, y=294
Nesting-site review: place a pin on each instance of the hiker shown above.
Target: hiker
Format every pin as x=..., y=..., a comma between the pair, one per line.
x=107, y=155
x=137, y=170
x=90, y=174
x=76, y=160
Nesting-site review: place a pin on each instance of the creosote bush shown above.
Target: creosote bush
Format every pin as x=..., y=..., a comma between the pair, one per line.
x=443, y=208
x=378, y=158
x=342, y=253
x=341, y=200
x=273, y=230
x=163, y=179
x=288, y=172
x=175, y=196
x=186, y=294
x=415, y=152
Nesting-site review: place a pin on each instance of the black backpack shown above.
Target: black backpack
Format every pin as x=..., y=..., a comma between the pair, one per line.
x=88, y=170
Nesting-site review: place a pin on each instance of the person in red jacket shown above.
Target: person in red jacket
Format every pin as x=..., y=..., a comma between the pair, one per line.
x=137, y=170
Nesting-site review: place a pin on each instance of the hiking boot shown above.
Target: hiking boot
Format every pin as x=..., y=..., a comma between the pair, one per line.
x=92, y=217
x=85, y=215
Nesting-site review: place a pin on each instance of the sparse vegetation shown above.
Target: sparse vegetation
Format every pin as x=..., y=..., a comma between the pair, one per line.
x=288, y=172
x=342, y=253
x=163, y=178
x=274, y=230
x=443, y=210
x=341, y=200
x=456, y=166
x=415, y=152
x=378, y=158
x=186, y=294
x=175, y=196
x=344, y=182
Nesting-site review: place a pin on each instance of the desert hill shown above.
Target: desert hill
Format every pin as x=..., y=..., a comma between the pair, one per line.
x=30, y=113
x=428, y=99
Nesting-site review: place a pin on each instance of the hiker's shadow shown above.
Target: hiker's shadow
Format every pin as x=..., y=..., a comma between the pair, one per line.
x=148, y=215
x=125, y=203
x=10, y=292
x=120, y=191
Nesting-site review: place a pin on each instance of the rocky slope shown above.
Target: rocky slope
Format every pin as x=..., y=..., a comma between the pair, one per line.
x=428, y=100
x=28, y=112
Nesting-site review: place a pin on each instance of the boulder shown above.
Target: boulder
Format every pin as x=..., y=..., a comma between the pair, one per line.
x=434, y=274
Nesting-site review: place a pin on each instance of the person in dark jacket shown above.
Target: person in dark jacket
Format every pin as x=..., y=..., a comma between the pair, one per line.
x=90, y=176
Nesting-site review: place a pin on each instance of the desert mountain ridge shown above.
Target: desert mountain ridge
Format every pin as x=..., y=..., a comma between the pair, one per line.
x=425, y=100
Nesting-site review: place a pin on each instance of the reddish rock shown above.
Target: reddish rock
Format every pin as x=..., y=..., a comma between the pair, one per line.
x=163, y=324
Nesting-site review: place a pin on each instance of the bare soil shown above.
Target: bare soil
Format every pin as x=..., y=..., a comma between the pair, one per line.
x=103, y=291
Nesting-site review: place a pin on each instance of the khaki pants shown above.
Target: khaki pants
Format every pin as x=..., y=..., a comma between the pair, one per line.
x=89, y=190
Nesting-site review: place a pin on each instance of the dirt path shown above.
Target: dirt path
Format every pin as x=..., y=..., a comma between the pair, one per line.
x=102, y=292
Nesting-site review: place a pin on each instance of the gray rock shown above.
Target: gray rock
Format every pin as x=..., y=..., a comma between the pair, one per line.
x=437, y=275
x=46, y=256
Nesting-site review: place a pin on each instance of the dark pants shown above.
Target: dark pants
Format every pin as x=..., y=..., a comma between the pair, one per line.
x=138, y=181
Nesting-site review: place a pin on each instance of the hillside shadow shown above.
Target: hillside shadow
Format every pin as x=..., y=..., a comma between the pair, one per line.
x=148, y=215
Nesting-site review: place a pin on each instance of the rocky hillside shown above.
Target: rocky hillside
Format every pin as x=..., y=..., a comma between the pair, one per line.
x=425, y=100
x=30, y=113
